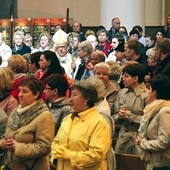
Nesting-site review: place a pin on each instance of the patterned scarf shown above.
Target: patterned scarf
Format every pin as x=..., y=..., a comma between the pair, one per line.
x=23, y=116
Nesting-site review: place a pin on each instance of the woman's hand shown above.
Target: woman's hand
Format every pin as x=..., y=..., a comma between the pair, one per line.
x=8, y=144
x=61, y=152
x=122, y=113
x=138, y=140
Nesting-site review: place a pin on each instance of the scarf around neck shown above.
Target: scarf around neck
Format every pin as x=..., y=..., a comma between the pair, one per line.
x=149, y=112
x=23, y=116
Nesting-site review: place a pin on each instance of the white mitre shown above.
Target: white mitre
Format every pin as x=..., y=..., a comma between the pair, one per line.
x=60, y=37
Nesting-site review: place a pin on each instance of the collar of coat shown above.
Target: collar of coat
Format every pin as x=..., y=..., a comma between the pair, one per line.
x=138, y=90
x=84, y=113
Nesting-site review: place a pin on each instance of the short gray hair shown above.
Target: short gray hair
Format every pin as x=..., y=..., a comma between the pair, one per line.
x=102, y=65
x=21, y=33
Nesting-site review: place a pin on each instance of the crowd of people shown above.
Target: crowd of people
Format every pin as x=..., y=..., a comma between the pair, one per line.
x=77, y=99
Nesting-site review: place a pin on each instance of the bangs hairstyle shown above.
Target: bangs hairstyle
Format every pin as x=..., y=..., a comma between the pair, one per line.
x=88, y=91
x=33, y=84
x=59, y=82
x=135, y=70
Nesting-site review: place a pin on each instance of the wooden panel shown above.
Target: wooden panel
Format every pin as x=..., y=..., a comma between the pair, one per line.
x=129, y=162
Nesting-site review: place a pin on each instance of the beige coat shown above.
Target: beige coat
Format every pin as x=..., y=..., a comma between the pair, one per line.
x=134, y=101
x=33, y=142
x=156, y=142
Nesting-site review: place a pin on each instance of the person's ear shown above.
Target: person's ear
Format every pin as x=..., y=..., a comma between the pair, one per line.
x=131, y=51
x=36, y=95
x=154, y=93
x=136, y=78
x=49, y=62
x=55, y=91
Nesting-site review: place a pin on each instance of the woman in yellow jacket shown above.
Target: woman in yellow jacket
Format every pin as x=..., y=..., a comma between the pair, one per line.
x=83, y=139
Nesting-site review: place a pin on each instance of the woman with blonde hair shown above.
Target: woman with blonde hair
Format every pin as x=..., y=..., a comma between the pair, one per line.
x=44, y=43
x=103, y=71
x=7, y=102
x=18, y=65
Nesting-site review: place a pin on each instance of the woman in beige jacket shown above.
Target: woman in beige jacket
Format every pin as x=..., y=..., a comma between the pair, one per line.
x=154, y=131
x=30, y=129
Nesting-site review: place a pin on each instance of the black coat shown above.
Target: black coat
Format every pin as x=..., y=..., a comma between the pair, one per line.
x=23, y=50
x=163, y=66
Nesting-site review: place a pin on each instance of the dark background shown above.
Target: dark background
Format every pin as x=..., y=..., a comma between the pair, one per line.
x=8, y=8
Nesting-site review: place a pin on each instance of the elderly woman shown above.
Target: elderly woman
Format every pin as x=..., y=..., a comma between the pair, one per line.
x=104, y=109
x=152, y=63
x=44, y=43
x=84, y=67
x=83, y=139
x=7, y=102
x=30, y=129
x=103, y=71
x=19, y=46
x=18, y=65
x=28, y=40
x=154, y=131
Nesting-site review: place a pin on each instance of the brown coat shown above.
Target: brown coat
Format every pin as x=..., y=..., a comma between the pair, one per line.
x=33, y=142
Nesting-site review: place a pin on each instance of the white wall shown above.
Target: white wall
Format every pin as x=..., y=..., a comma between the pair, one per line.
x=130, y=12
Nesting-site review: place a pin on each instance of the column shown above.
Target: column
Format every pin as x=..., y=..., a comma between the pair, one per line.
x=154, y=12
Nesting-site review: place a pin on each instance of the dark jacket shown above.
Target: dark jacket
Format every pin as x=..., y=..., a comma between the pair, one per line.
x=163, y=67
x=22, y=50
x=111, y=34
x=59, y=109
